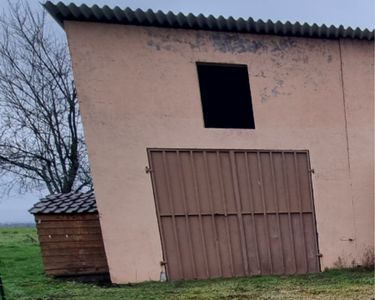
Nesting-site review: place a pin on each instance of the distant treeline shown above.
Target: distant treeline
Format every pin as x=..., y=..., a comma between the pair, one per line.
x=17, y=224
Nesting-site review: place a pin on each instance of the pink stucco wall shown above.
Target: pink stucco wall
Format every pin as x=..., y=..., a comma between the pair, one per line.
x=358, y=82
x=138, y=88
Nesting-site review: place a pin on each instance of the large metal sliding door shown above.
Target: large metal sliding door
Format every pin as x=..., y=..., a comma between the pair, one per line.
x=225, y=213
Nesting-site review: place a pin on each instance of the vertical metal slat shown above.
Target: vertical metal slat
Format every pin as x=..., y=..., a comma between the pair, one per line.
x=298, y=184
x=170, y=201
x=249, y=180
x=276, y=199
x=264, y=209
x=239, y=210
x=206, y=168
x=163, y=244
x=316, y=243
x=187, y=223
x=196, y=193
x=222, y=194
x=291, y=231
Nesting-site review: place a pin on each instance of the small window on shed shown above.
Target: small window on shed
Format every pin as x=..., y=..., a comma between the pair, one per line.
x=225, y=95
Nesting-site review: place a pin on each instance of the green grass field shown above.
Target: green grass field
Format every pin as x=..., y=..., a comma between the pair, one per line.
x=23, y=278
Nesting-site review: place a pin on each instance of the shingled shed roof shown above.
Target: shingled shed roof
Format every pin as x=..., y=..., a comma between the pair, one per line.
x=62, y=12
x=69, y=203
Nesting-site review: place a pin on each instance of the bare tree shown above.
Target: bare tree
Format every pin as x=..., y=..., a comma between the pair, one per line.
x=41, y=137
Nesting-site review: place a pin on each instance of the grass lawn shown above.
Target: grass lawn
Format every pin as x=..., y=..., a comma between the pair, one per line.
x=23, y=278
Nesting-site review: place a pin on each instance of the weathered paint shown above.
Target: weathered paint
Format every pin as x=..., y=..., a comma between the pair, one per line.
x=138, y=88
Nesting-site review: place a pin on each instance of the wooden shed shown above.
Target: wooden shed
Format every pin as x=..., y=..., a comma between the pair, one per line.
x=70, y=236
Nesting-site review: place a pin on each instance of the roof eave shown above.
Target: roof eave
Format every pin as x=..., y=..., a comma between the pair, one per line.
x=62, y=12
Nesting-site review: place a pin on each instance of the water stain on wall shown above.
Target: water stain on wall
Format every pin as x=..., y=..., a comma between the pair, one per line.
x=275, y=48
x=172, y=41
x=274, y=91
x=235, y=43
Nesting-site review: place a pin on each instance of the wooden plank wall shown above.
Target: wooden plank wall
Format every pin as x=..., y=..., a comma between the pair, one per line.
x=71, y=244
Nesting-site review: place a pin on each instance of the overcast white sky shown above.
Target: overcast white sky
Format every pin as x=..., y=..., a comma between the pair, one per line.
x=354, y=13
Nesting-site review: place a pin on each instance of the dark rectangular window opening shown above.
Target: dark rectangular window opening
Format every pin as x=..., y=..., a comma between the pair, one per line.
x=225, y=95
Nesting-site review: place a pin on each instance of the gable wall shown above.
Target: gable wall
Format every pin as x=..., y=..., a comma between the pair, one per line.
x=138, y=88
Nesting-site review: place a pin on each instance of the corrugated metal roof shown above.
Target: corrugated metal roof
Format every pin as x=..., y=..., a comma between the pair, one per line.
x=61, y=12
x=68, y=203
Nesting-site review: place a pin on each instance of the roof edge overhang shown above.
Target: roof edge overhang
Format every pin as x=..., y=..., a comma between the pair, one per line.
x=83, y=13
